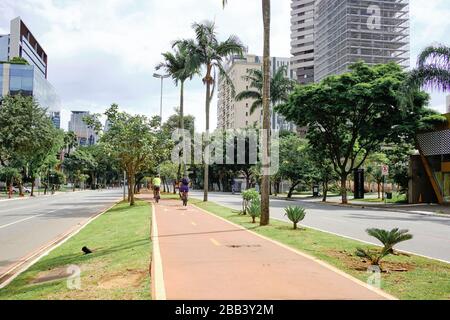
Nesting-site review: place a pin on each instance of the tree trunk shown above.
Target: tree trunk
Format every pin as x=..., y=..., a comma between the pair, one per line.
x=265, y=181
x=325, y=191
x=344, y=189
x=33, y=183
x=206, y=141
x=182, y=124
x=21, y=190
x=295, y=225
x=132, y=185
x=10, y=190
x=379, y=189
x=291, y=189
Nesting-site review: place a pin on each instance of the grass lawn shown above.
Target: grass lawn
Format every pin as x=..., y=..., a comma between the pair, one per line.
x=118, y=268
x=411, y=277
x=396, y=198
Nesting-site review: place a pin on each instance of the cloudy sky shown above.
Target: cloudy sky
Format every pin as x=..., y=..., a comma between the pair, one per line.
x=105, y=51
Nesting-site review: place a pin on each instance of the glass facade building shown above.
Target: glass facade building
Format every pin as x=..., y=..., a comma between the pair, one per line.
x=28, y=81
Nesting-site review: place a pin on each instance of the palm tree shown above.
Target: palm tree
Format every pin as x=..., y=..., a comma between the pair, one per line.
x=207, y=51
x=181, y=68
x=265, y=181
x=70, y=141
x=433, y=69
x=280, y=87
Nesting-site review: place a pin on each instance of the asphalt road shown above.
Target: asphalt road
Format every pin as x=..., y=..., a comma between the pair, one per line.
x=29, y=224
x=431, y=233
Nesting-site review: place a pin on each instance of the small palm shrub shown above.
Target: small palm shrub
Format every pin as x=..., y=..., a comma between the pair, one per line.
x=295, y=214
x=254, y=209
x=388, y=238
x=247, y=197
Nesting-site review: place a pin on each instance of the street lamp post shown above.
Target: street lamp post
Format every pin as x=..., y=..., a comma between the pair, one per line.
x=162, y=77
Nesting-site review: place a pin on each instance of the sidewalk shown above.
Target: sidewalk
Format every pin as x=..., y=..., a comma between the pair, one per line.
x=206, y=257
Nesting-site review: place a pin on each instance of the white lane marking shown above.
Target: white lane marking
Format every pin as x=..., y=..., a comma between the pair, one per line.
x=158, y=281
x=28, y=218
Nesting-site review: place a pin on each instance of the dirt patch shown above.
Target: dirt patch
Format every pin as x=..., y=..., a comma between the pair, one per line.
x=51, y=275
x=359, y=264
x=130, y=278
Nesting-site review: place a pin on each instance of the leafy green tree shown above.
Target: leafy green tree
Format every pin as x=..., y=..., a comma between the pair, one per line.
x=207, y=51
x=280, y=87
x=399, y=158
x=27, y=136
x=294, y=163
x=168, y=172
x=10, y=176
x=373, y=169
x=78, y=164
x=352, y=115
x=133, y=141
x=322, y=169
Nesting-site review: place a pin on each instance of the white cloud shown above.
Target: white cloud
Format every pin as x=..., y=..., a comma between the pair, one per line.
x=105, y=51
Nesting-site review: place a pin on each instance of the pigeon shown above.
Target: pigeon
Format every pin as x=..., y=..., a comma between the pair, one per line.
x=86, y=250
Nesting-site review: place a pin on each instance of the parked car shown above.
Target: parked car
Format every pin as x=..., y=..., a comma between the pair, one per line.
x=24, y=189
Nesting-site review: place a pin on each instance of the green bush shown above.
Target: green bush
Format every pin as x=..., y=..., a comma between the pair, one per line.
x=295, y=214
x=388, y=238
x=254, y=209
x=247, y=197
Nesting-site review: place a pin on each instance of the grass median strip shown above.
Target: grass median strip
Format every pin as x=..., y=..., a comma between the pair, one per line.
x=117, y=268
x=407, y=277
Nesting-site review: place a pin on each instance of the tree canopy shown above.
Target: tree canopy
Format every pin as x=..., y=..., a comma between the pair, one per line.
x=352, y=115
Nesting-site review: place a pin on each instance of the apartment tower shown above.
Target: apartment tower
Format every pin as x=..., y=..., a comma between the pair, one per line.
x=342, y=32
x=302, y=39
x=233, y=114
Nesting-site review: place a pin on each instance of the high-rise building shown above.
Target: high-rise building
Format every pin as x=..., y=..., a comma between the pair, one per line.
x=233, y=114
x=27, y=79
x=21, y=43
x=302, y=39
x=345, y=31
x=86, y=135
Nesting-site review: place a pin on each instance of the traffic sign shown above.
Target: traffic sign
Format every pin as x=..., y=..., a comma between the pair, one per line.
x=384, y=170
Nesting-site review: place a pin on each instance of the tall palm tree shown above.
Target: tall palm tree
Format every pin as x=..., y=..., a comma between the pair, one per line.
x=181, y=68
x=433, y=69
x=280, y=87
x=70, y=141
x=265, y=180
x=207, y=51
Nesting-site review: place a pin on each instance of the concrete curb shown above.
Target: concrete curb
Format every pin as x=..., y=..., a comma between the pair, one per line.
x=7, y=277
x=360, y=206
x=370, y=207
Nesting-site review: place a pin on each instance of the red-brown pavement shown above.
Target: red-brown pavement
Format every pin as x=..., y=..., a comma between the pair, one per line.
x=202, y=256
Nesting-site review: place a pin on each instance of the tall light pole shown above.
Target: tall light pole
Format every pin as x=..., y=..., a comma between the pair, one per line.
x=162, y=77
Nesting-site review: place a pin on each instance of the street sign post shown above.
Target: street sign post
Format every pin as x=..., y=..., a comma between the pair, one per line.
x=384, y=170
x=384, y=173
